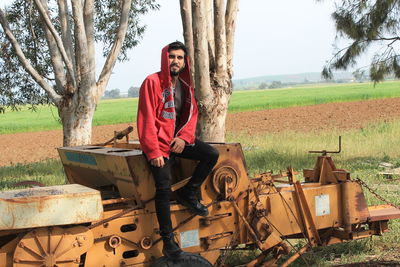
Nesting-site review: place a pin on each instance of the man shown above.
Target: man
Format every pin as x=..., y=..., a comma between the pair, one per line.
x=167, y=117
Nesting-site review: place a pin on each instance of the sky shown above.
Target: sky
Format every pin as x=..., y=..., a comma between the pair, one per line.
x=272, y=37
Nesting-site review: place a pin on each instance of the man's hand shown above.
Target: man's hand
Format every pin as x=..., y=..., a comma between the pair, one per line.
x=158, y=162
x=177, y=145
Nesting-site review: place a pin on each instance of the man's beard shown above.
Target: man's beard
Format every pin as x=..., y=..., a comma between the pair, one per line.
x=175, y=72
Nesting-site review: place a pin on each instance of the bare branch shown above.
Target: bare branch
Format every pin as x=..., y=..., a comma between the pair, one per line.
x=89, y=29
x=210, y=32
x=80, y=39
x=25, y=62
x=220, y=39
x=35, y=45
x=186, y=14
x=57, y=38
x=116, y=48
x=55, y=56
x=230, y=26
x=66, y=32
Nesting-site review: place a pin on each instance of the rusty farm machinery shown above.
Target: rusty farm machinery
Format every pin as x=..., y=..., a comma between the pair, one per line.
x=105, y=215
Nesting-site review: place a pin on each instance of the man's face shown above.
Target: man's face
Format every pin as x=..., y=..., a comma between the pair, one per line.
x=176, y=61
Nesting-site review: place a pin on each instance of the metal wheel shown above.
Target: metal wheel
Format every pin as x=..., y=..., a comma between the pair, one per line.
x=52, y=247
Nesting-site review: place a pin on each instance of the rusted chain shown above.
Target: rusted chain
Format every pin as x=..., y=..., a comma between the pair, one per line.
x=362, y=183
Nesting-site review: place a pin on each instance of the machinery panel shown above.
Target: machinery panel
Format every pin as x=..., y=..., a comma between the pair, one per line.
x=45, y=206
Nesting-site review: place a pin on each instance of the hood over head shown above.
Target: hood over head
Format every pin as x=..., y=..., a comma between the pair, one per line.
x=165, y=70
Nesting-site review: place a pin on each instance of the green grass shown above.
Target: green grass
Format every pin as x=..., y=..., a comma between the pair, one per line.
x=125, y=110
x=304, y=96
x=49, y=172
x=111, y=111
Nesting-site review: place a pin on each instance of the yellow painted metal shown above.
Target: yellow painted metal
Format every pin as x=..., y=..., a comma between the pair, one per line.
x=48, y=206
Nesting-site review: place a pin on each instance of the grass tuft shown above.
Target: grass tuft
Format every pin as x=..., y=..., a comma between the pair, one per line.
x=49, y=172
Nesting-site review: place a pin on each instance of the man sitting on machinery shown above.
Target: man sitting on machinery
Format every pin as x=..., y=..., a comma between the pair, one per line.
x=167, y=117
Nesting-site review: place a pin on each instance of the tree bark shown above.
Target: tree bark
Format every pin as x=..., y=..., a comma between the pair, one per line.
x=230, y=26
x=77, y=124
x=186, y=14
x=213, y=62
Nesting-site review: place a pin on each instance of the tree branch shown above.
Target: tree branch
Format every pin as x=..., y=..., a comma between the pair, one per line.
x=66, y=33
x=116, y=48
x=186, y=14
x=89, y=29
x=25, y=62
x=220, y=39
x=210, y=32
x=230, y=26
x=57, y=38
x=80, y=36
x=55, y=56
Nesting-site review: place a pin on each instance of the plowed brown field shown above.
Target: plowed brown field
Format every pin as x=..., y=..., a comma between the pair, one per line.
x=37, y=146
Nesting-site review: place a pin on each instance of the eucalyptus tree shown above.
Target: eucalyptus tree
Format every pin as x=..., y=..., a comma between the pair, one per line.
x=368, y=24
x=209, y=27
x=47, y=54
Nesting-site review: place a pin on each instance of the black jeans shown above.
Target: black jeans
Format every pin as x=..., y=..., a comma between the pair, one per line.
x=206, y=154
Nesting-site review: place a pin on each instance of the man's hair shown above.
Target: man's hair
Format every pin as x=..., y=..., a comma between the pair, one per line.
x=176, y=46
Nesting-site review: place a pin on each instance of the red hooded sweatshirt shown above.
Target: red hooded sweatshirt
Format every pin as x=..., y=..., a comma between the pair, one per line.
x=156, y=111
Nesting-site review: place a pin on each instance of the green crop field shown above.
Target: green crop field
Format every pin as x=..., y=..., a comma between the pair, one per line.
x=304, y=96
x=124, y=110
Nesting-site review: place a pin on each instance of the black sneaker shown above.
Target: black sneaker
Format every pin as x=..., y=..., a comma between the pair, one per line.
x=188, y=198
x=171, y=249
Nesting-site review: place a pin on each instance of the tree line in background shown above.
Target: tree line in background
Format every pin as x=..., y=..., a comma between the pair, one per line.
x=116, y=93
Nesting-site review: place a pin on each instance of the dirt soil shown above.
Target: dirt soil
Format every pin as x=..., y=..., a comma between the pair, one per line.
x=38, y=146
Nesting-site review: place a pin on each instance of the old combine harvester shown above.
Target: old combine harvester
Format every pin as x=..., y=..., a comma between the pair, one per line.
x=106, y=217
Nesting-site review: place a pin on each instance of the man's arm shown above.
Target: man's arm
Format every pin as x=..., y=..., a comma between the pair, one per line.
x=147, y=131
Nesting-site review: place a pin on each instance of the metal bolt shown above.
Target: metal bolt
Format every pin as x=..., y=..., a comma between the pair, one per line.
x=21, y=244
x=16, y=260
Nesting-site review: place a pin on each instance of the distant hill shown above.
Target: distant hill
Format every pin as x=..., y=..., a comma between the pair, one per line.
x=286, y=80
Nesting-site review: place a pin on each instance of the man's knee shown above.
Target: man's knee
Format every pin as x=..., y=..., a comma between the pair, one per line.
x=213, y=155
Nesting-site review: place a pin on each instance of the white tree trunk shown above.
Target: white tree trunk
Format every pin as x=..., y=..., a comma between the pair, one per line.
x=77, y=124
x=213, y=62
x=186, y=14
